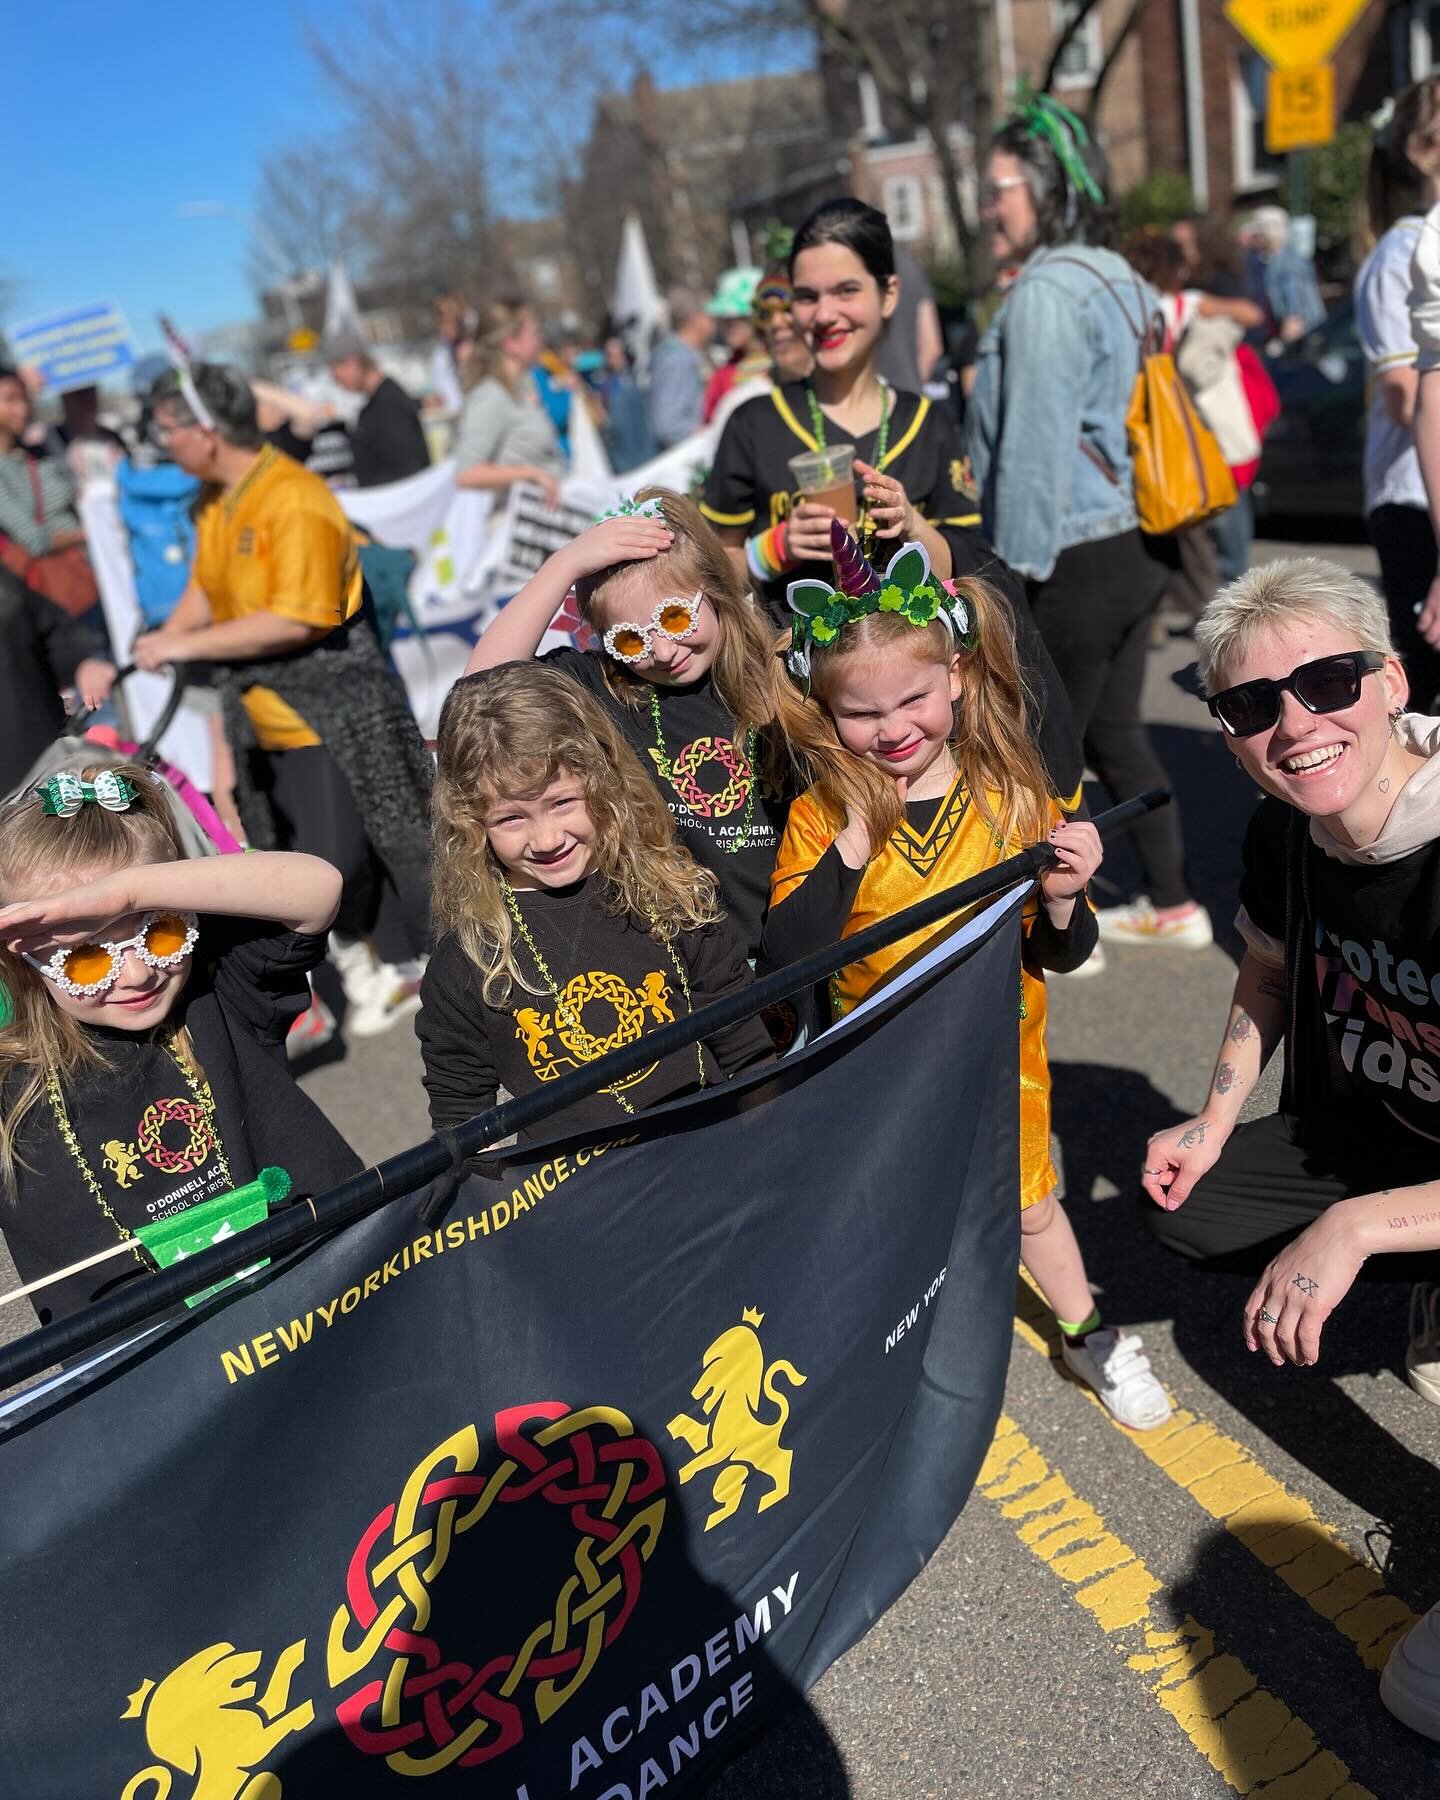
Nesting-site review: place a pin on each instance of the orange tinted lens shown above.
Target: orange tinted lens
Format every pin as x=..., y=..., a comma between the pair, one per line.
x=165, y=935
x=628, y=641
x=676, y=617
x=86, y=964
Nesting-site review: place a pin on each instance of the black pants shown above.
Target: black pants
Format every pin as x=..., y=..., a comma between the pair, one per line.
x=1404, y=541
x=1093, y=612
x=316, y=812
x=1267, y=1187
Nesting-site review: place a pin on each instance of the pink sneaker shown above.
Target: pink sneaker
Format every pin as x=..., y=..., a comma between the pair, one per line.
x=313, y=1030
x=1138, y=923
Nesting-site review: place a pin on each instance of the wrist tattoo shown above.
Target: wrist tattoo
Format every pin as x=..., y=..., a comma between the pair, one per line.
x=1408, y=1221
x=1242, y=1028
x=1195, y=1135
x=1224, y=1078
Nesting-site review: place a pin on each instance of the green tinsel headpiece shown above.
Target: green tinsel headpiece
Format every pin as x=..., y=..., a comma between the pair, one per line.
x=1039, y=116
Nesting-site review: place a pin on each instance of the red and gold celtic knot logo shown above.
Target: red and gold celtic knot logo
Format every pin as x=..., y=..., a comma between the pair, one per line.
x=418, y=1705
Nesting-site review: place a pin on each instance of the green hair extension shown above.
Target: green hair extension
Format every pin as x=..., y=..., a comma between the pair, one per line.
x=1041, y=117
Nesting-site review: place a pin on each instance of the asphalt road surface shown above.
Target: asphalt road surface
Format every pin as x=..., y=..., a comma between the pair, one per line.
x=1194, y=1613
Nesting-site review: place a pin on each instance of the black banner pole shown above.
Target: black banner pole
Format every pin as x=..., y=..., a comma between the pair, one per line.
x=140, y=1300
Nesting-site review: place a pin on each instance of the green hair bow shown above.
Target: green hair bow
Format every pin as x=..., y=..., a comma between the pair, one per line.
x=62, y=796
x=633, y=509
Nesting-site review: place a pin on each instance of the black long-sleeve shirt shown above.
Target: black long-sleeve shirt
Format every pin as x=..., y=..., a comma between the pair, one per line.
x=614, y=977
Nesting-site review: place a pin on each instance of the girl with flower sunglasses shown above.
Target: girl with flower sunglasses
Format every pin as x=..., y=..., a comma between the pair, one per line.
x=142, y=1050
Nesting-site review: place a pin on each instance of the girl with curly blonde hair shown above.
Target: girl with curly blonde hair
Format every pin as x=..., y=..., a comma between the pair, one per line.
x=687, y=667
x=572, y=922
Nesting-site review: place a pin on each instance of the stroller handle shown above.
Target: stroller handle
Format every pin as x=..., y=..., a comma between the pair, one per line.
x=76, y=726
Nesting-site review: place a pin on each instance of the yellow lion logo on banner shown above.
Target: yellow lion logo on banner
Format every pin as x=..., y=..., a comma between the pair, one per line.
x=203, y=1720
x=731, y=1437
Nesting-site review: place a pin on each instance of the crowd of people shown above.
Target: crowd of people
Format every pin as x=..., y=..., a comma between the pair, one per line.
x=797, y=704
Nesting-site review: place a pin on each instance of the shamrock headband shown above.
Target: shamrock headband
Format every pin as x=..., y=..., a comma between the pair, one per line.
x=633, y=509
x=908, y=588
x=62, y=796
x=1041, y=117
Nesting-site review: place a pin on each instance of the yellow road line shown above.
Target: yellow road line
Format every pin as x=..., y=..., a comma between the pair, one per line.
x=1244, y=1732
x=1277, y=1527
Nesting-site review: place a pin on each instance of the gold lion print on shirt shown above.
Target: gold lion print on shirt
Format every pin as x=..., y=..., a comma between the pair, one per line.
x=596, y=1012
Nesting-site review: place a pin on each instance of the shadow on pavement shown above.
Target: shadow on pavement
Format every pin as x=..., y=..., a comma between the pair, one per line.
x=1260, y=1652
x=1103, y=1117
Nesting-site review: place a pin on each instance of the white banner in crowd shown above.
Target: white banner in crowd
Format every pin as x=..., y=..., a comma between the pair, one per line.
x=471, y=557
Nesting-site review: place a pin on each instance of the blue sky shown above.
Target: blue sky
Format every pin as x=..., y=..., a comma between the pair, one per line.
x=126, y=115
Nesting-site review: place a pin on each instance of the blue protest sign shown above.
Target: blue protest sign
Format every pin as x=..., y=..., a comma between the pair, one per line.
x=76, y=348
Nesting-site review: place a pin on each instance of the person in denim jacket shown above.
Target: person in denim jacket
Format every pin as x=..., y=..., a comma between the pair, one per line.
x=1051, y=458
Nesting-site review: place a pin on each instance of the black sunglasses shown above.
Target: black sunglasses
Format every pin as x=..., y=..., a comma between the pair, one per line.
x=1327, y=685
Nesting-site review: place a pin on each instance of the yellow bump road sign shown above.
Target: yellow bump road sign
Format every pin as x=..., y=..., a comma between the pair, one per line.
x=1299, y=108
x=1294, y=34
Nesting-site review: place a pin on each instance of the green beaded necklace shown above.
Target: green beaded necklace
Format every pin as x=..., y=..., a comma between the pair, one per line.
x=663, y=758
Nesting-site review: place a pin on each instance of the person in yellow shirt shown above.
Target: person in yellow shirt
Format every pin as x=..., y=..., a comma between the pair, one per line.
x=328, y=758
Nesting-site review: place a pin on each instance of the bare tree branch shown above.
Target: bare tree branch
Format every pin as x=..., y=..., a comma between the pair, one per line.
x=1112, y=56
x=1063, y=42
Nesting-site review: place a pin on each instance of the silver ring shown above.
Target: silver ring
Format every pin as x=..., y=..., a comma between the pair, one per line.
x=1152, y=1171
x=1265, y=1318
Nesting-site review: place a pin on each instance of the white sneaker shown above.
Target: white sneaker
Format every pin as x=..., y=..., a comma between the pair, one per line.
x=1094, y=964
x=355, y=962
x=393, y=994
x=1410, y=1686
x=1137, y=924
x=1422, y=1359
x=1110, y=1362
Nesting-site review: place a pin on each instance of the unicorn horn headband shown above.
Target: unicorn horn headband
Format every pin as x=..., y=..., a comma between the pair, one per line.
x=908, y=588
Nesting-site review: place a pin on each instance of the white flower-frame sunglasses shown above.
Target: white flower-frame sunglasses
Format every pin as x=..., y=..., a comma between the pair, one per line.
x=675, y=619
x=163, y=941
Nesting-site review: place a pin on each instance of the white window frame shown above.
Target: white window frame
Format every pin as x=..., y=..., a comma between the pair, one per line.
x=1422, y=41
x=904, y=230
x=1088, y=41
x=1245, y=123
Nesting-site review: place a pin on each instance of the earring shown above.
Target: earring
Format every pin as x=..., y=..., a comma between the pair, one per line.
x=1396, y=716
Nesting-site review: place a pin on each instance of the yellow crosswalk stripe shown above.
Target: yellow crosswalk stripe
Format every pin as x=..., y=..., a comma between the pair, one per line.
x=1245, y=1733
x=1279, y=1528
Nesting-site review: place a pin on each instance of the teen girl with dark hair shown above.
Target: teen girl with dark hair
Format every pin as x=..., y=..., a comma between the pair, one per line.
x=1402, y=183
x=1047, y=436
x=908, y=455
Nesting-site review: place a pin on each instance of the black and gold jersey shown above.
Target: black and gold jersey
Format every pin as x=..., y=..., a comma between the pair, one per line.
x=749, y=484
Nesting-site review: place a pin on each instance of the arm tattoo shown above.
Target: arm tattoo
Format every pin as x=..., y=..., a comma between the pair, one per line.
x=1195, y=1135
x=1407, y=1221
x=1242, y=1028
x=1224, y=1078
